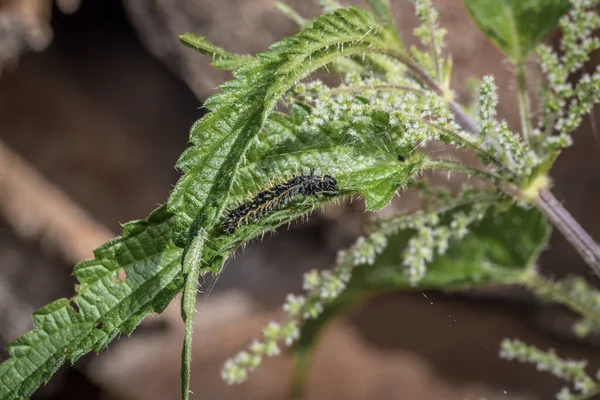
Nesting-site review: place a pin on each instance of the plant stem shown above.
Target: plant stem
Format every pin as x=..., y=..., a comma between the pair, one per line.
x=462, y=118
x=587, y=248
x=523, y=103
x=291, y=14
x=465, y=142
x=445, y=165
x=434, y=49
x=192, y=266
x=364, y=88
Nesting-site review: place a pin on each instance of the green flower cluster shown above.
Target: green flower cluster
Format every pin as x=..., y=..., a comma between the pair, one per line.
x=321, y=287
x=568, y=370
x=564, y=105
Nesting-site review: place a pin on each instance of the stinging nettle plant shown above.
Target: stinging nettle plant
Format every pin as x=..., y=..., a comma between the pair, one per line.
x=371, y=133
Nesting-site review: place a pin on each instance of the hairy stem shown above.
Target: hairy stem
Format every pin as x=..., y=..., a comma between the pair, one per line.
x=523, y=103
x=434, y=50
x=465, y=142
x=291, y=14
x=587, y=248
x=192, y=266
x=462, y=118
x=360, y=89
x=445, y=165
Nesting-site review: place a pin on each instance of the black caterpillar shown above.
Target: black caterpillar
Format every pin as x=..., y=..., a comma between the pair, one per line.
x=279, y=196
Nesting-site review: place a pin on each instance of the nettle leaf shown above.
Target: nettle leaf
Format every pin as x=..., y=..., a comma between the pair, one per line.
x=384, y=12
x=221, y=58
x=129, y=277
x=361, y=155
x=221, y=138
x=516, y=26
x=364, y=163
x=501, y=248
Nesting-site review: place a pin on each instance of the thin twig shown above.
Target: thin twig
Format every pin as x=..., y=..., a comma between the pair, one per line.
x=446, y=165
x=587, y=248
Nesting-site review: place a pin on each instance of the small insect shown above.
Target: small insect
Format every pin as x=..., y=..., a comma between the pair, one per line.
x=278, y=196
x=401, y=158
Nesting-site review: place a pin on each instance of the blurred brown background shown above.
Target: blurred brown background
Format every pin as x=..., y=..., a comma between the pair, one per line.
x=96, y=99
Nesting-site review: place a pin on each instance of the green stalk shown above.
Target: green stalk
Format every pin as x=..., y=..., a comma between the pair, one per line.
x=556, y=292
x=579, y=238
x=445, y=165
x=292, y=14
x=434, y=51
x=192, y=266
x=524, y=103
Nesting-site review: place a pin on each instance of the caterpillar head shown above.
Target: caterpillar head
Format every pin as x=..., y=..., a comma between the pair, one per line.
x=328, y=185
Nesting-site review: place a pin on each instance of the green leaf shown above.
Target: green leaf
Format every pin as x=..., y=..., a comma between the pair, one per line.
x=129, y=277
x=291, y=14
x=221, y=59
x=221, y=138
x=361, y=156
x=288, y=148
x=499, y=249
x=516, y=26
x=384, y=12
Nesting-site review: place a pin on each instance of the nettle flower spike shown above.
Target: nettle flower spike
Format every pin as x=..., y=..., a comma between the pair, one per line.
x=568, y=370
x=564, y=105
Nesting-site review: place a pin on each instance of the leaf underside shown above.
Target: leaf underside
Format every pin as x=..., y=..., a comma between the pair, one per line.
x=516, y=26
